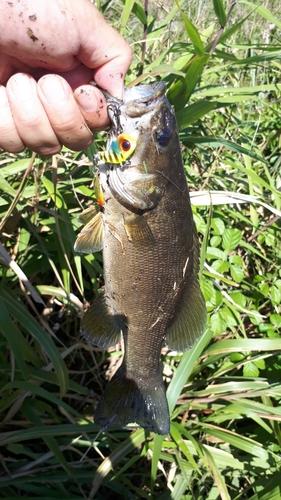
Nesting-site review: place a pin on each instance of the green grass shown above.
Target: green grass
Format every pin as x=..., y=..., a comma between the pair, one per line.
x=224, y=395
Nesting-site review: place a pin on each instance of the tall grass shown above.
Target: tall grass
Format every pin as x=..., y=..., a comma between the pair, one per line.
x=224, y=395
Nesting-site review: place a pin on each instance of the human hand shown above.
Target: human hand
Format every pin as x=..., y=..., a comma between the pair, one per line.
x=49, y=52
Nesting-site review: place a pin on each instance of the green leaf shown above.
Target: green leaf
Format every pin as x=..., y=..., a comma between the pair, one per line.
x=193, y=34
x=275, y=295
x=271, y=488
x=275, y=320
x=184, y=369
x=22, y=315
x=194, y=112
x=218, y=226
x=128, y=5
x=217, y=476
x=242, y=345
x=264, y=12
x=237, y=273
x=192, y=77
x=14, y=337
x=231, y=239
x=250, y=370
x=220, y=12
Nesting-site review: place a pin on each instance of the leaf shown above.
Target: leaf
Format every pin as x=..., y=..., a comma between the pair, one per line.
x=250, y=370
x=187, y=86
x=242, y=345
x=275, y=320
x=237, y=273
x=193, y=33
x=218, y=225
x=218, y=477
x=14, y=338
x=264, y=12
x=217, y=142
x=22, y=315
x=231, y=239
x=220, y=12
x=128, y=5
x=194, y=112
x=184, y=369
x=271, y=488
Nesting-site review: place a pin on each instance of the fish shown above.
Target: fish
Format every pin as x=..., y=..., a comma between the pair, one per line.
x=151, y=295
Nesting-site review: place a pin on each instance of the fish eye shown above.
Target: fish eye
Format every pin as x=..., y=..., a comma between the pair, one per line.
x=125, y=145
x=163, y=138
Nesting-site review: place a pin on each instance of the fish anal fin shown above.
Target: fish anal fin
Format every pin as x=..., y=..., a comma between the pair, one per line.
x=138, y=230
x=129, y=401
x=99, y=326
x=190, y=319
x=90, y=239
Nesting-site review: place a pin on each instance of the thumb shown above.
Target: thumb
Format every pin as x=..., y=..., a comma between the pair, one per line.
x=104, y=51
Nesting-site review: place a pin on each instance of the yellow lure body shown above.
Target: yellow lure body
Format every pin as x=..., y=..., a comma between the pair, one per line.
x=121, y=149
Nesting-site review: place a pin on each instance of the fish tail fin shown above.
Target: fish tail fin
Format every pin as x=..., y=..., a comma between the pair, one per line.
x=129, y=401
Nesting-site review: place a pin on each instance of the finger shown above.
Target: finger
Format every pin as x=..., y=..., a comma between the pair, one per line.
x=9, y=138
x=63, y=112
x=29, y=116
x=93, y=106
x=104, y=50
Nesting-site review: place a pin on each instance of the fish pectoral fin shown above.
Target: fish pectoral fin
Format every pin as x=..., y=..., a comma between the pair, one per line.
x=138, y=230
x=132, y=401
x=99, y=326
x=90, y=239
x=190, y=319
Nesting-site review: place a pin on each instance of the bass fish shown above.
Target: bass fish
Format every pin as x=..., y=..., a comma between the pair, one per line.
x=151, y=260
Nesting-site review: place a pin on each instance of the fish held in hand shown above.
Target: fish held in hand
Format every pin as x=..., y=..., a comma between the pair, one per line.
x=151, y=260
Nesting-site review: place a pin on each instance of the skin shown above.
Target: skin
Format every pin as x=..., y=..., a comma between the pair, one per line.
x=48, y=56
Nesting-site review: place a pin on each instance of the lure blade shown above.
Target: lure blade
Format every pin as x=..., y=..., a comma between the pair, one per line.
x=98, y=191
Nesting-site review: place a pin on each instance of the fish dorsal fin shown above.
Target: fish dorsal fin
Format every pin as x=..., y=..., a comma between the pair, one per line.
x=138, y=230
x=90, y=239
x=190, y=318
x=99, y=326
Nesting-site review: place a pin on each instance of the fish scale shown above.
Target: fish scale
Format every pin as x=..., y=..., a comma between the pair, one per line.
x=151, y=262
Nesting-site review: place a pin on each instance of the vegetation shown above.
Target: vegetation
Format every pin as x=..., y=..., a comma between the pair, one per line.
x=225, y=394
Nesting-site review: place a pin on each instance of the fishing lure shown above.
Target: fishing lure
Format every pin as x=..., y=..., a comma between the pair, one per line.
x=90, y=239
x=120, y=150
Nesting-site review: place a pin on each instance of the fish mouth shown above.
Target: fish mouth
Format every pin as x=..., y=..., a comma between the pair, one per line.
x=143, y=99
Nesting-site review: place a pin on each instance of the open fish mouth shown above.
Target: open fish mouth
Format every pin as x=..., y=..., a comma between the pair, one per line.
x=138, y=102
x=150, y=94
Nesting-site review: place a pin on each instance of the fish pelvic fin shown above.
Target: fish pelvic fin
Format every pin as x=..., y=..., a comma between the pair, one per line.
x=189, y=323
x=99, y=326
x=127, y=400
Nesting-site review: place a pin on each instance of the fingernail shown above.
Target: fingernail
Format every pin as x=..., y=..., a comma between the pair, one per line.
x=88, y=101
x=23, y=86
x=52, y=87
